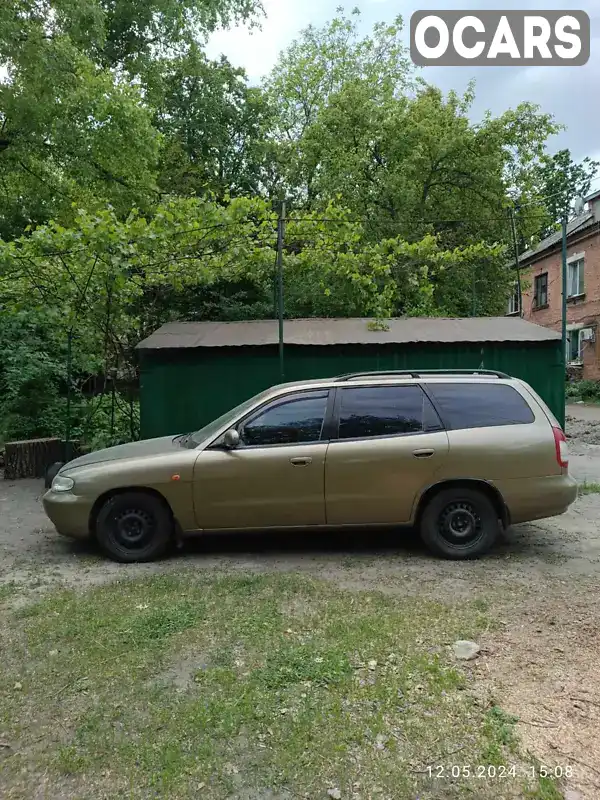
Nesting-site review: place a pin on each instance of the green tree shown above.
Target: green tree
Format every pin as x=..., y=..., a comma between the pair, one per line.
x=355, y=123
x=106, y=283
x=311, y=72
x=74, y=124
x=560, y=181
x=214, y=126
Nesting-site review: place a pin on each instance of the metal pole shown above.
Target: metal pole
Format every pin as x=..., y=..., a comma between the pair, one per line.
x=564, y=291
x=518, y=266
x=280, y=235
x=68, y=419
x=112, y=411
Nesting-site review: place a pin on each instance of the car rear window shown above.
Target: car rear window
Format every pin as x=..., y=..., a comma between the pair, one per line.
x=479, y=405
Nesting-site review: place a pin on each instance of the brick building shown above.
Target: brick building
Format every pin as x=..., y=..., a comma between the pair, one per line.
x=541, y=279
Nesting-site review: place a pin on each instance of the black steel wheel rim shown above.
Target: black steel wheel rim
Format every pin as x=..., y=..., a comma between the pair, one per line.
x=460, y=525
x=133, y=528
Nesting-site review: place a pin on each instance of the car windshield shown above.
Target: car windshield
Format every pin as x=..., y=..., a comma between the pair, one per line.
x=194, y=439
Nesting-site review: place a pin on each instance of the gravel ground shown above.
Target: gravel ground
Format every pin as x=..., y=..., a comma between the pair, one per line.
x=561, y=547
x=583, y=431
x=541, y=579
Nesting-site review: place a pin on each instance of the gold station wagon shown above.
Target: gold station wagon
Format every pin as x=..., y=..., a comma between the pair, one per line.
x=457, y=454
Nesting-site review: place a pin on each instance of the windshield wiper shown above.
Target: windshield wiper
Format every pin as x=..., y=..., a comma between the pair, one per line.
x=183, y=438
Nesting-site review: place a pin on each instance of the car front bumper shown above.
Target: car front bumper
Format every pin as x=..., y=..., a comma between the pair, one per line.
x=69, y=513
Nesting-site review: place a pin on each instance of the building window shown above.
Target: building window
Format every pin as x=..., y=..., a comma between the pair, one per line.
x=577, y=339
x=575, y=285
x=514, y=305
x=574, y=339
x=540, y=291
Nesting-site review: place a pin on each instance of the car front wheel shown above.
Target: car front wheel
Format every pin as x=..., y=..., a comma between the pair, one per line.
x=460, y=523
x=134, y=526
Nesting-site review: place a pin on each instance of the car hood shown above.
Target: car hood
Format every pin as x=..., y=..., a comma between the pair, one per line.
x=148, y=447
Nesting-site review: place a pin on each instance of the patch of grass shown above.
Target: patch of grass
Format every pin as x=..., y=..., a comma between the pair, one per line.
x=545, y=787
x=357, y=687
x=499, y=729
x=8, y=590
x=588, y=488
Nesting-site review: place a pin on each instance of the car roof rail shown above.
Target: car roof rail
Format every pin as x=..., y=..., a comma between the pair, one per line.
x=410, y=373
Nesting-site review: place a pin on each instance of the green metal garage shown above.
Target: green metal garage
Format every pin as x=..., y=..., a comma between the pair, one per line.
x=191, y=372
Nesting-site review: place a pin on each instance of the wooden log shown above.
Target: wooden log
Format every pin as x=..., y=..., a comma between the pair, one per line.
x=31, y=458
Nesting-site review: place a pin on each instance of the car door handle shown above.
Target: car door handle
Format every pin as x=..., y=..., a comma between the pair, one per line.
x=426, y=453
x=301, y=462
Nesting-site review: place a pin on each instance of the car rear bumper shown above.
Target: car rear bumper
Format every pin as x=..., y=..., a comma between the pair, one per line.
x=537, y=498
x=68, y=513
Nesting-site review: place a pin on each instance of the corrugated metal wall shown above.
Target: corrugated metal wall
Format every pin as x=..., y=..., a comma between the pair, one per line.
x=182, y=390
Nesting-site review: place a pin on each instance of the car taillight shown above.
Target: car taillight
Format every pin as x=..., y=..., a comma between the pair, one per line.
x=562, y=450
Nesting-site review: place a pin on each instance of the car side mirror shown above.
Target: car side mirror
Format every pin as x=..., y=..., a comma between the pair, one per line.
x=231, y=439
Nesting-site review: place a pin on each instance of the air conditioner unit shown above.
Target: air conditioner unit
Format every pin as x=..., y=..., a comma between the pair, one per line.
x=587, y=335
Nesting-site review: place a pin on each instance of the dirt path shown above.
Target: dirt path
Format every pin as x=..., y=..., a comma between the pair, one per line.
x=562, y=548
x=543, y=666
x=584, y=412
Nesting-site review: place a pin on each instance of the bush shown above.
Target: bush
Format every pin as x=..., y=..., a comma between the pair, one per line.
x=100, y=424
x=33, y=387
x=589, y=391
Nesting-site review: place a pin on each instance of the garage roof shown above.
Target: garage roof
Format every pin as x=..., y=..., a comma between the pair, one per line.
x=404, y=330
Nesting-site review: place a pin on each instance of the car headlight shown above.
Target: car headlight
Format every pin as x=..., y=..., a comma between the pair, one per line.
x=62, y=484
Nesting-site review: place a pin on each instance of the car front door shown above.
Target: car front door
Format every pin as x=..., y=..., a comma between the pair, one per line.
x=390, y=444
x=275, y=477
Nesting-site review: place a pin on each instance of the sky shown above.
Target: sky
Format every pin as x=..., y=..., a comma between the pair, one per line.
x=571, y=94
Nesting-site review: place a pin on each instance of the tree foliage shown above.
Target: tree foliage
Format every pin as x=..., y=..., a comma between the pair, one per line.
x=140, y=183
x=75, y=126
x=355, y=122
x=213, y=127
x=560, y=182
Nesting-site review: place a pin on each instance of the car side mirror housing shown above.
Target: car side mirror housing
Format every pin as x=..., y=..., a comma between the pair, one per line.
x=231, y=439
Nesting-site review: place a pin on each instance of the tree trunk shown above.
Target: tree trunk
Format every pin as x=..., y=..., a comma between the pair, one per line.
x=31, y=458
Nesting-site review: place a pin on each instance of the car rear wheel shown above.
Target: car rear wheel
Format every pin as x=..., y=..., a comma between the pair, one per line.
x=134, y=526
x=460, y=523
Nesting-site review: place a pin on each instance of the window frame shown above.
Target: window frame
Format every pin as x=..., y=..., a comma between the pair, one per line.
x=576, y=261
x=275, y=402
x=514, y=300
x=570, y=332
x=335, y=433
x=537, y=279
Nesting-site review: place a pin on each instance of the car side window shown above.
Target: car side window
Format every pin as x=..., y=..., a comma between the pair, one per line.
x=480, y=405
x=297, y=420
x=385, y=411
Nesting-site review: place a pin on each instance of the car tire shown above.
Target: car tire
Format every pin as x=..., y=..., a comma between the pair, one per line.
x=134, y=527
x=460, y=523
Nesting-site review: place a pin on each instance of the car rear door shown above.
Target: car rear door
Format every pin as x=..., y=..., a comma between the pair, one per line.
x=275, y=478
x=495, y=433
x=387, y=446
